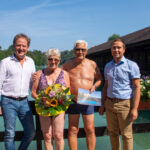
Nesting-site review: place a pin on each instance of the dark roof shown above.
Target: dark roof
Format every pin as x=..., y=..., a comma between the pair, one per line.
x=135, y=37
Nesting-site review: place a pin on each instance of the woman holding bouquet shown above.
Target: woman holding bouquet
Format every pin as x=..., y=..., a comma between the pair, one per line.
x=52, y=126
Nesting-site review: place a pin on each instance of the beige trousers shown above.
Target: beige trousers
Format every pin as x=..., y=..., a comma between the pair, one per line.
x=117, y=115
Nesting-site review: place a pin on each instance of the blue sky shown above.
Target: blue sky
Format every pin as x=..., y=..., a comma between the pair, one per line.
x=59, y=23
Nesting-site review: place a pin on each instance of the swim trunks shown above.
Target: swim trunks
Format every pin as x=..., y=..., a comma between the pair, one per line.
x=78, y=108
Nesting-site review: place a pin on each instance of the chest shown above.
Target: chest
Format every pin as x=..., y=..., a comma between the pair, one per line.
x=84, y=72
x=15, y=69
x=119, y=73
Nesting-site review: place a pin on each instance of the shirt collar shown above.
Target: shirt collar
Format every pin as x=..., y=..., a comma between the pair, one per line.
x=12, y=57
x=123, y=60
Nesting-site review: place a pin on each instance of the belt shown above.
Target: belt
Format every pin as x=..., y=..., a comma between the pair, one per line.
x=116, y=100
x=15, y=98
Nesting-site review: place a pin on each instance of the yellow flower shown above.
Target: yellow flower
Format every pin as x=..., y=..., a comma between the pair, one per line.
x=47, y=103
x=47, y=90
x=54, y=103
x=57, y=86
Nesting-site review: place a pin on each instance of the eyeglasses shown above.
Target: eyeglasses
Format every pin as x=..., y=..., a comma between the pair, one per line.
x=53, y=59
x=78, y=49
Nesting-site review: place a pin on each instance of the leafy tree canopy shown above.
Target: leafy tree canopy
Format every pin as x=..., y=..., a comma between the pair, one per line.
x=113, y=37
x=66, y=55
x=37, y=55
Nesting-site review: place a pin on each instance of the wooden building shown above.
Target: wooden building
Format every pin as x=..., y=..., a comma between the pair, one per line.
x=137, y=49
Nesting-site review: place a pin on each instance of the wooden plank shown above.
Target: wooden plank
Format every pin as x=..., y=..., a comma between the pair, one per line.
x=99, y=131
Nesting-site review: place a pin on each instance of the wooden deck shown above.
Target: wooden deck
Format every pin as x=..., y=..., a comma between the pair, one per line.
x=100, y=131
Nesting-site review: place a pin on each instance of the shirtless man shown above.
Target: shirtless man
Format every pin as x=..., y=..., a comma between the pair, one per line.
x=82, y=73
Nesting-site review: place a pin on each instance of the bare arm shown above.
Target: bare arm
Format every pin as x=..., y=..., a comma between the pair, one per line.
x=104, y=97
x=35, y=85
x=67, y=80
x=136, y=99
x=0, y=111
x=98, y=78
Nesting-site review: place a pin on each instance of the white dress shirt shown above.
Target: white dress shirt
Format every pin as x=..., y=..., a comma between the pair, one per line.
x=15, y=79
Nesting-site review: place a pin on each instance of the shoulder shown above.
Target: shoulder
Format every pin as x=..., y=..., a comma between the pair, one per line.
x=91, y=62
x=68, y=64
x=130, y=61
x=69, y=61
x=131, y=64
x=65, y=73
x=5, y=60
x=134, y=69
x=29, y=59
x=108, y=64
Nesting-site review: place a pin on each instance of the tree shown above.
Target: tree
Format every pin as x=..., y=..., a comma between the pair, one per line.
x=38, y=56
x=113, y=37
x=66, y=55
x=10, y=48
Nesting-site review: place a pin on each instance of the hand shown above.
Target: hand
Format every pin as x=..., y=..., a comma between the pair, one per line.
x=133, y=114
x=92, y=89
x=101, y=110
x=35, y=76
x=0, y=111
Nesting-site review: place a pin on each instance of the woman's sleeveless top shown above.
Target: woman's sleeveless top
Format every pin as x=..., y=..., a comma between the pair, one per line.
x=43, y=81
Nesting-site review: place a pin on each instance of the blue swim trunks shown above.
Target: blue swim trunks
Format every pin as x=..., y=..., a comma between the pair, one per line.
x=78, y=108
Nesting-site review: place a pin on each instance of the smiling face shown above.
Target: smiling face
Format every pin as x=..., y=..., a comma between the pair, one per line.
x=53, y=62
x=117, y=51
x=80, y=51
x=20, y=48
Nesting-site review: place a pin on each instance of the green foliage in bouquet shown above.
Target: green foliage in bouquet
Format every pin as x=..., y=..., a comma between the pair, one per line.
x=53, y=100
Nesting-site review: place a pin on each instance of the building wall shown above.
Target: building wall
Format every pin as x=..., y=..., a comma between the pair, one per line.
x=138, y=52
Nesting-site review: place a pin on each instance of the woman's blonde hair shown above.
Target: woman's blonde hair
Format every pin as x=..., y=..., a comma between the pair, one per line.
x=53, y=52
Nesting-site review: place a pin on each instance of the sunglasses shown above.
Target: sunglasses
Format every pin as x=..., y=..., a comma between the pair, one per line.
x=53, y=59
x=78, y=49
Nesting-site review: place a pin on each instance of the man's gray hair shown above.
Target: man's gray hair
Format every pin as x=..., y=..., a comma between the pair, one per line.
x=53, y=52
x=81, y=41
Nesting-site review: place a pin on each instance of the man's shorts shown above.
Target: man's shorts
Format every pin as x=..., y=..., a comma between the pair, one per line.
x=83, y=109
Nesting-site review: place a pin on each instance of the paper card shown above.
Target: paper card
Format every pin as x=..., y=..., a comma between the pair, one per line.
x=85, y=98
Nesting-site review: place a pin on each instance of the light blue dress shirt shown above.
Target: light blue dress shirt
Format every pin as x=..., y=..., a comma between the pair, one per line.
x=120, y=77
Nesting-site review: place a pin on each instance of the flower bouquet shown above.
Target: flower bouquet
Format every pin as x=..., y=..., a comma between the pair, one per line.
x=145, y=88
x=53, y=100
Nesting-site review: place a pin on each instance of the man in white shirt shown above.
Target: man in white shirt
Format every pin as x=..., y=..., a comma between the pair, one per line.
x=15, y=79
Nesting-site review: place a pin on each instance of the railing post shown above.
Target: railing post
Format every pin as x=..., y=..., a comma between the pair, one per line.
x=38, y=140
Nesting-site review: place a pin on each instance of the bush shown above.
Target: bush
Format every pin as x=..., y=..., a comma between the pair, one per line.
x=145, y=88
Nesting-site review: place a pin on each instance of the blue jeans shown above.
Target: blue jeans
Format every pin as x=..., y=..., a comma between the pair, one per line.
x=11, y=109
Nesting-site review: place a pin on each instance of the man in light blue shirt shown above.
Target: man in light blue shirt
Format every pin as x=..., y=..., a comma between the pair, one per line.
x=121, y=96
